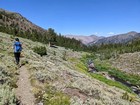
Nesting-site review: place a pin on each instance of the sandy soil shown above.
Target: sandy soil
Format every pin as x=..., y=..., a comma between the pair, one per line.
x=23, y=91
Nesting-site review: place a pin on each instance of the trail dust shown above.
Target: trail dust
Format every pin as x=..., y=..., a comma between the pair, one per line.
x=23, y=91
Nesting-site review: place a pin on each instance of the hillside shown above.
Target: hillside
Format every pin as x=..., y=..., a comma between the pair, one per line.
x=16, y=20
x=128, y=62
x=58, y=77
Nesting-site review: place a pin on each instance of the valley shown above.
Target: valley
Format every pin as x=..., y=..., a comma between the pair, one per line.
x=60, y=76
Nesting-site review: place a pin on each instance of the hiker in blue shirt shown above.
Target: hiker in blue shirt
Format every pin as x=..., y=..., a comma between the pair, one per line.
x=17, y=50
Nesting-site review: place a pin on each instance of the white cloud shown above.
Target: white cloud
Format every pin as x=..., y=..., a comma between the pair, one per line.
x=95, y=33
x=111, y=33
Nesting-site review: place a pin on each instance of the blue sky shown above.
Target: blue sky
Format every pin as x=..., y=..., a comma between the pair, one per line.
x=80, y=17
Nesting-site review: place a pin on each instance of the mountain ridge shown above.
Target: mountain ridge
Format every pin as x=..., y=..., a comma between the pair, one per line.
x=85, y=39
x=119, y=38
x=97, y=40
x=17, y=20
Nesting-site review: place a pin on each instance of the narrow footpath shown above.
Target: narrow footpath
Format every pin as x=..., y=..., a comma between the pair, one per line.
x=23, y=92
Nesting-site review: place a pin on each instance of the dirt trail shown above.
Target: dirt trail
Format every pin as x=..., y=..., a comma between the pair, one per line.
x=24, y=88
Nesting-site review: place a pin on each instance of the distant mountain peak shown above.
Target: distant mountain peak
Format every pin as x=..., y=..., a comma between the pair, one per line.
x=93, y=35
x=132, y=32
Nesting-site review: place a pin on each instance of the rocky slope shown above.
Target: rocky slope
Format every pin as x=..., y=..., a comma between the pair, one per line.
x=56, y=78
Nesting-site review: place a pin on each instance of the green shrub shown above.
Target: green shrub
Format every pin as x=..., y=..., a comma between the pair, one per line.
x=8, y=77
x=54, y=53
x=50, y=96
x=54, y=97
x=57, y=99
x=40, y=50
x=12, y=37
x=64, y=56
x=24, y=62
x=40, y=76
x=7, y=96
x=126, y=96
x=5, y=76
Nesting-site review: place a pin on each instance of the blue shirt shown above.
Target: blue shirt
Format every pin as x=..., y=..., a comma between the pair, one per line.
x=17, y=46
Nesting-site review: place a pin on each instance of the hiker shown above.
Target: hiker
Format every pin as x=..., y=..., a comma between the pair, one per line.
x=17, y=50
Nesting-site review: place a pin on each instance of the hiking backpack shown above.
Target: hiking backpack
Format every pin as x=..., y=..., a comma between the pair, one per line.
x=17, y=47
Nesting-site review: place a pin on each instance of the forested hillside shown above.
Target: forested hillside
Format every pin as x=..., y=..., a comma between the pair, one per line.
x=17, y=25
x=106, y=51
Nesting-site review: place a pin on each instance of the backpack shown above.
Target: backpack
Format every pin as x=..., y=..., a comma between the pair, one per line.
x=17, y=46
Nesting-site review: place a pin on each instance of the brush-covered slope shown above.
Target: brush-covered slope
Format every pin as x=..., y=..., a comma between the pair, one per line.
x=128, y=62
x=55, y=77
x=15, y=20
